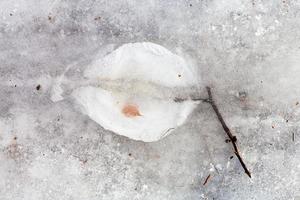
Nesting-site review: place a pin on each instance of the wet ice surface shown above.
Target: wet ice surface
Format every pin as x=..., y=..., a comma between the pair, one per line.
x=248, y=52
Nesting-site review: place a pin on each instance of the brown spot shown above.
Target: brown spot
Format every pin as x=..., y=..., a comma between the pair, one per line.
x=129, y=154
x=84, y=161
x=13, y=150
x=297, y=103
x=97, y=18
x=130, y=110
x=179, y=75
x=273, y=126
x=51, y=18
x=15, y=138
x=38, y=87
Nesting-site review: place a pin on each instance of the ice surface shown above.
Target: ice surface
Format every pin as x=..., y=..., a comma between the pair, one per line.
x=248, y=51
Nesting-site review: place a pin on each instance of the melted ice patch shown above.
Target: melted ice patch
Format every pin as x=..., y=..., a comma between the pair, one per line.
x=135, y=91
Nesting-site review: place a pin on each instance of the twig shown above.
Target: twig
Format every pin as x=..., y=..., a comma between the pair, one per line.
x=232, y=138
x=178, y=99
x=293, y=137
x=206, y=180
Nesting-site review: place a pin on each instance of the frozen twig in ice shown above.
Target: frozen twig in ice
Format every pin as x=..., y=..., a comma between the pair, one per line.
x=206, y=180
x=232, y=138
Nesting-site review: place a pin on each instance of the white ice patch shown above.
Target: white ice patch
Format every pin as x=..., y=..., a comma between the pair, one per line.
x=130, y=97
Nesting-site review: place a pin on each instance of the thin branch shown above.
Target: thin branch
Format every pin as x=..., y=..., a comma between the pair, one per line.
x=178, y=99
x=293, y=137
x=206, y=180
x=232, y=138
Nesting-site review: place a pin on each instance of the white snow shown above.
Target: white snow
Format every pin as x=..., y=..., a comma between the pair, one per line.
x=127, y=77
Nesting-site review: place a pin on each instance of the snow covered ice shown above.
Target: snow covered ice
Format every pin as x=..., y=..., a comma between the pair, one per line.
x=247, y=51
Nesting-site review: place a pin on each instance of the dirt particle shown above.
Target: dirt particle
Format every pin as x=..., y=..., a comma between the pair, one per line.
x=51, y=18
x=297, y=103
x=10, y=14
x=129, y=154
x=13, y=151
x=38, y=87
x=273, y=126
x=97, y=18
x=179, y=75
x=15, y=138
x=242, y=95
x=231, y=157
x=84, y=161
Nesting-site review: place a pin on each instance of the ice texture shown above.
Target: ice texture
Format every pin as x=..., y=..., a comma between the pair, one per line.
x=247, y=51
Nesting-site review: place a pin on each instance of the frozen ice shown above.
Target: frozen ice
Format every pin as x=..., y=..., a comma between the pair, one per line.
x=247, y=51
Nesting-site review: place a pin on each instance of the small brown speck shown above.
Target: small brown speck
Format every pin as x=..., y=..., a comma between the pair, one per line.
x=97, y=18
x=273, y=126
x=84, y=161
x=179, y=75
x=129, y=154
x=15, y=138
x=227, y=140
x=38, y=87
x=297, y=103
x=51, y=18
x=287, y=121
